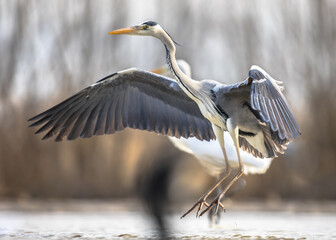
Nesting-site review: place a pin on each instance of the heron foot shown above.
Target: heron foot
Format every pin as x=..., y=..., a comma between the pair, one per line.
x=216, y=202
x=200, y=203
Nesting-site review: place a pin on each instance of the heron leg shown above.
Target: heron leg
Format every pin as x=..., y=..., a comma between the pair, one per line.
x=202, y=201
x=233, y=130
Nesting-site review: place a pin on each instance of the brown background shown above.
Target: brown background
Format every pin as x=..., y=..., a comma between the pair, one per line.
x=51, y=49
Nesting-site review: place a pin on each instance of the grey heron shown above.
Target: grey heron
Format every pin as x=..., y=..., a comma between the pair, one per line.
x=254, y=111
x=209, y=153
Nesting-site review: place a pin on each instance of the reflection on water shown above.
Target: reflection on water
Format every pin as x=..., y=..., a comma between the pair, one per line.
x=126, y=221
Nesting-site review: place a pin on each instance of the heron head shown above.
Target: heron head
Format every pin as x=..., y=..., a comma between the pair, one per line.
x=148, y=28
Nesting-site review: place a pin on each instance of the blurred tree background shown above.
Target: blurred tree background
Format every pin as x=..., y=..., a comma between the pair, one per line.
x=52, y=49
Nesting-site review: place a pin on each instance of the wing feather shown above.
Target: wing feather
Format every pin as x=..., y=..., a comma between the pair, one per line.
x=132, y=98
x=79, y=124
x=268, y=100
x=91, y=122
x=100, y=124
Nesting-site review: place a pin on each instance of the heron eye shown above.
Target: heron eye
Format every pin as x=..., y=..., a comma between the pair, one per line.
x=146, y=27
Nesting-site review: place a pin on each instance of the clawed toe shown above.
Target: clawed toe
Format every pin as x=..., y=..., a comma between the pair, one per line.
x=201, y=203
x=200, y=207
x=216, y=202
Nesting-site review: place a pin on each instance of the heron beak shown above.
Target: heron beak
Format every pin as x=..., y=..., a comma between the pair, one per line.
x=128, y=30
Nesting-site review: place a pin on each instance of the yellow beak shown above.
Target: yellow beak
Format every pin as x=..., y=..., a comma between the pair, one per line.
x=124, y=30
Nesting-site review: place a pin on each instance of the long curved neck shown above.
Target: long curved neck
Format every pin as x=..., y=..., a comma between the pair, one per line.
x=189, y=86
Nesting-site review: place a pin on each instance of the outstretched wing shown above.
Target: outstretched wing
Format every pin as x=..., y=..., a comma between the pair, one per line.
x=268, y=100
x=132, y=98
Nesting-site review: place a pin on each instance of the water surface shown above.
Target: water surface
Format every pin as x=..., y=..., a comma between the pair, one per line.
x=127, y=221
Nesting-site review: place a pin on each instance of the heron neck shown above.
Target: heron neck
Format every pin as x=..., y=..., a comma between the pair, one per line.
x=191, y=87
x=188, y=85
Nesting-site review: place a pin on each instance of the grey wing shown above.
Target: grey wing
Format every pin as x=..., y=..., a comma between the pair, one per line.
x=268, y=100
x=132, y=98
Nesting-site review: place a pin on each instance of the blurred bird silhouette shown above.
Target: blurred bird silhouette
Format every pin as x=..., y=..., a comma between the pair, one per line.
x=153, y=184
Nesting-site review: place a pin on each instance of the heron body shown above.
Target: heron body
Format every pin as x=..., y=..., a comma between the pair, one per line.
x=209, y=153
x=254, y=112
